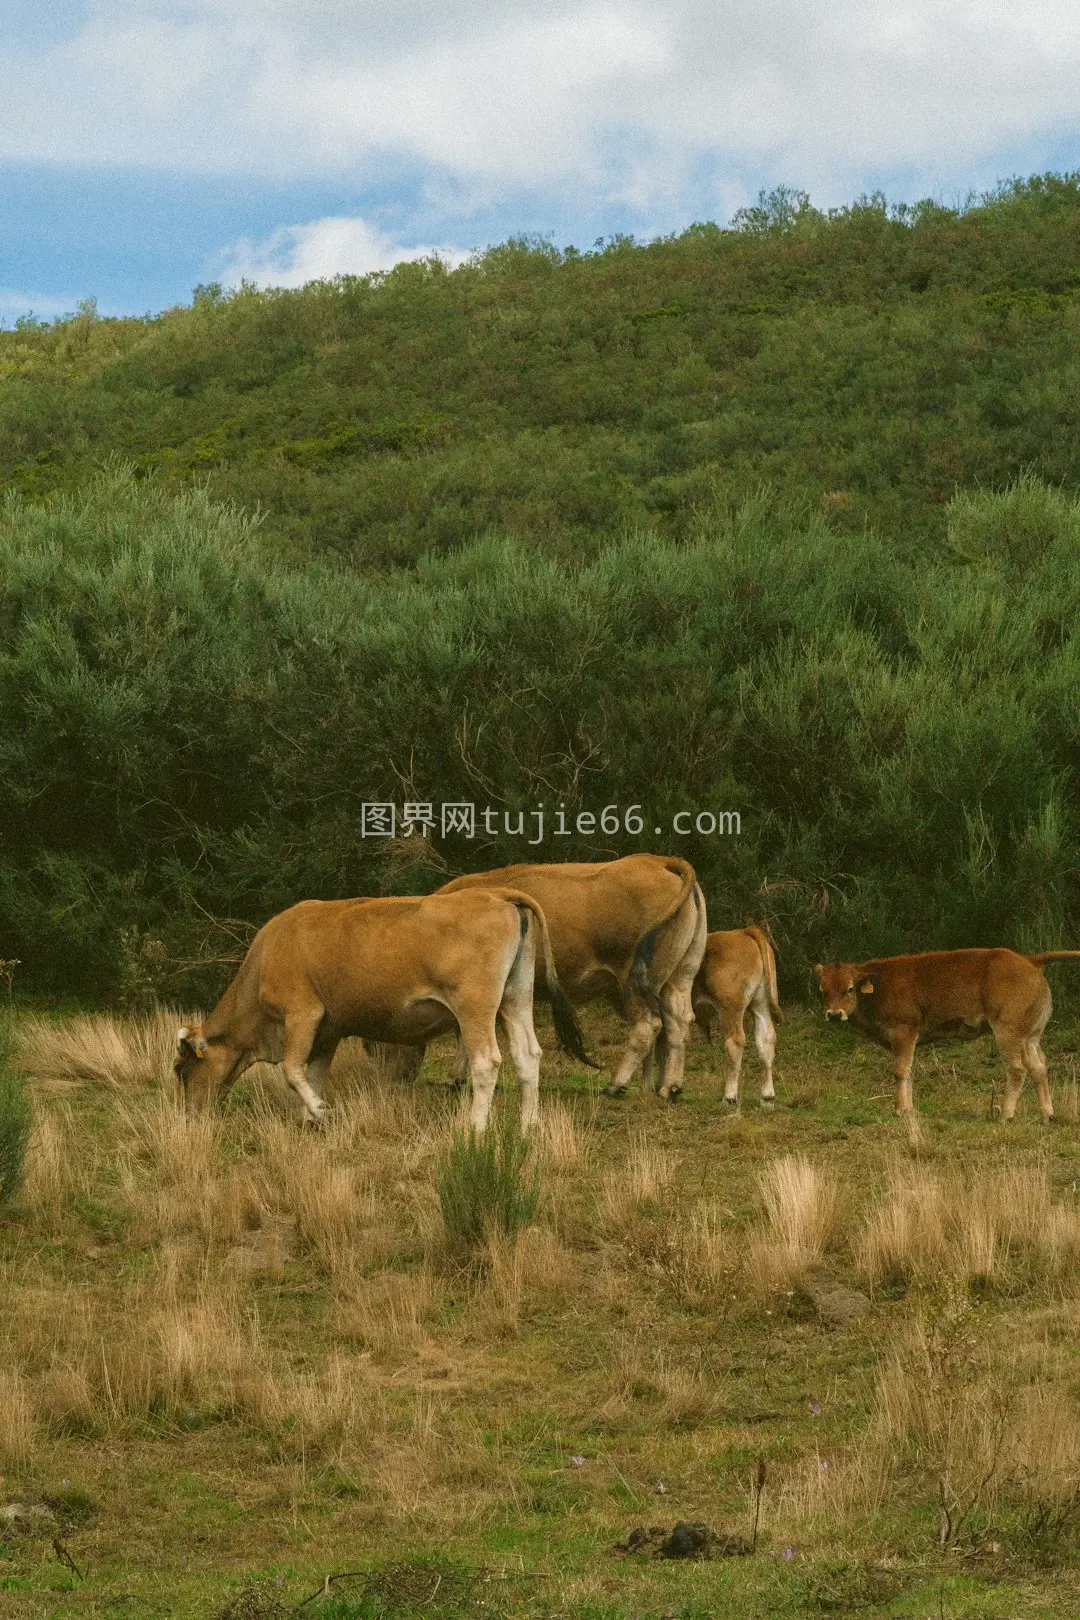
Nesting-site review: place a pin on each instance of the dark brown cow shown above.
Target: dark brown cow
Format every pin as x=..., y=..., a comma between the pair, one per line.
x=900, y=1000
x=631, y=931
x=739, y=971
x=388, y=970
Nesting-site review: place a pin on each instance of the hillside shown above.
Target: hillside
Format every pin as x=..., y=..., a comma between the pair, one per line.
x=873, y=360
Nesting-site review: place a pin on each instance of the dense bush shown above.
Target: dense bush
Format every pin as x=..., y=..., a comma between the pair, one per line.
x=188, y=728
x=873, y=358
x=487, y=1186
x=15, y=1122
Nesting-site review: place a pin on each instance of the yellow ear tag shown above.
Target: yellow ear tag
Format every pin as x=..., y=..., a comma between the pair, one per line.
x=866, y=988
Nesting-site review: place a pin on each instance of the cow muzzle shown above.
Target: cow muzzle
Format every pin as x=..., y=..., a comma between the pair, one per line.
x=834, y=1012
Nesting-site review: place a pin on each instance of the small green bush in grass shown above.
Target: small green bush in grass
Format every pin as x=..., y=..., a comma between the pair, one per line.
x=487, y=1185
x=14, y=1123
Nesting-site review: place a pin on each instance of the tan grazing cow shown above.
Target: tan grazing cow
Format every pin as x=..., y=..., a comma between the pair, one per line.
x=389, y=970
x=739, y=971
x=631, y=931
x=900, y=1000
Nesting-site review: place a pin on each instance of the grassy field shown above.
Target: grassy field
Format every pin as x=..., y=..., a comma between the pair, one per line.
x=237, y=1358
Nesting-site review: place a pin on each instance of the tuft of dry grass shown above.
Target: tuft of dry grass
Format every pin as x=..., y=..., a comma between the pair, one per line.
x=645, y=1179
x=905, y=1236
x=390, y=1312
x=698, y=1259
x=803, y=1211
x=127, y=1054
x=523, y=1274
x=18, y=1425
x=562, y=1147
x=978, y=1229
x=54, y=1164
x=679, y=1389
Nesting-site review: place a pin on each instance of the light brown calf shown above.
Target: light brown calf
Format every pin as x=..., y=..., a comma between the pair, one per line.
x=631, y=931
x=739, y=972
x=388, y=970
x=900, y=1000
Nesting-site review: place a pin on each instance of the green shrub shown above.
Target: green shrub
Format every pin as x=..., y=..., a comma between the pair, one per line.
x=15, y=1122
x=487, y=1185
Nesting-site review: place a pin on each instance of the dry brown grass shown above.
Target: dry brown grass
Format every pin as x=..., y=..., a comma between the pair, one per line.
x=698, y=1260
x=523, y=1275
x=98, y=1049
x=677, y=1390
x=803, y=1216
x=390, y=1312
x=974, y=1229
x=286, y=1292
x=645, y=1179
x=18, y=1426
x=905, y=1235
x=54, y=1164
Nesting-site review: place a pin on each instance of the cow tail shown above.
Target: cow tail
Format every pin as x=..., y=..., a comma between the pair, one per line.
x=1051, y=956
x=646, y=946
x=768, y=959
x=568, y=1031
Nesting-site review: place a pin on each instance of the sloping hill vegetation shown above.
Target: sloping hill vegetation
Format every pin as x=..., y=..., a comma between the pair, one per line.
x=876, y=359
x=190, y=727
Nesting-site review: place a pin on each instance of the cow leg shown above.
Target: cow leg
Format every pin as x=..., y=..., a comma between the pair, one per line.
x=301, y=1032
x=1012, y=1053
x=677, y=1005
x=461, y=1066
x=484, y=1058
x=644, y=1028
x=525, y=1053
x=734, y=1046
x=677, y=1015
x=318, y=1069
x=1035, y=1059
x=903, y=1042
x=765, y=1041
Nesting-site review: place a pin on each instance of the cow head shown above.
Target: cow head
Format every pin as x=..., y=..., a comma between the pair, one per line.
x=205, y=1068
x=841, y=984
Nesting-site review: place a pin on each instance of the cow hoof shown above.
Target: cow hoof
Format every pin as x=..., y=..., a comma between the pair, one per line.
x=317, y=1122
x=672, y=1096
x=1051, y=1119
x=731, y=1104
x=613, y=1091
x=768, y=1104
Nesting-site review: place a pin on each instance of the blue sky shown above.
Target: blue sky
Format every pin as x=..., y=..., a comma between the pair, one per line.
x=148, y=145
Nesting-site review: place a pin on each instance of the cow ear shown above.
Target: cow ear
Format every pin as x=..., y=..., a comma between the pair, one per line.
x=190, y=1042
x=866, y=987
x=819, y=968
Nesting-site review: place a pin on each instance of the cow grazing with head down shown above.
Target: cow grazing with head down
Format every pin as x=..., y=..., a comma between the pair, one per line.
x=900, y=1000
x=738, y=972
x=401, y=970
x=630, y=931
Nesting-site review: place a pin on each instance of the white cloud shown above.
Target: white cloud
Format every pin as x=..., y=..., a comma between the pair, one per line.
x=550, y=93
x=45, y=306
x=334, y=246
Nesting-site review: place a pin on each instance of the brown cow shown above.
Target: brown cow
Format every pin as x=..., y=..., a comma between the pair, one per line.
x=739, y=971
x=631, y=931
x=900, y=1000
x=388, y=970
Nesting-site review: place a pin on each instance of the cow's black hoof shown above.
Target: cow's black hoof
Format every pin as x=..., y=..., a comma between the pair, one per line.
x=1051, y=1119
x=613, y=1091
x=768, y=1104
x=674, y=1094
